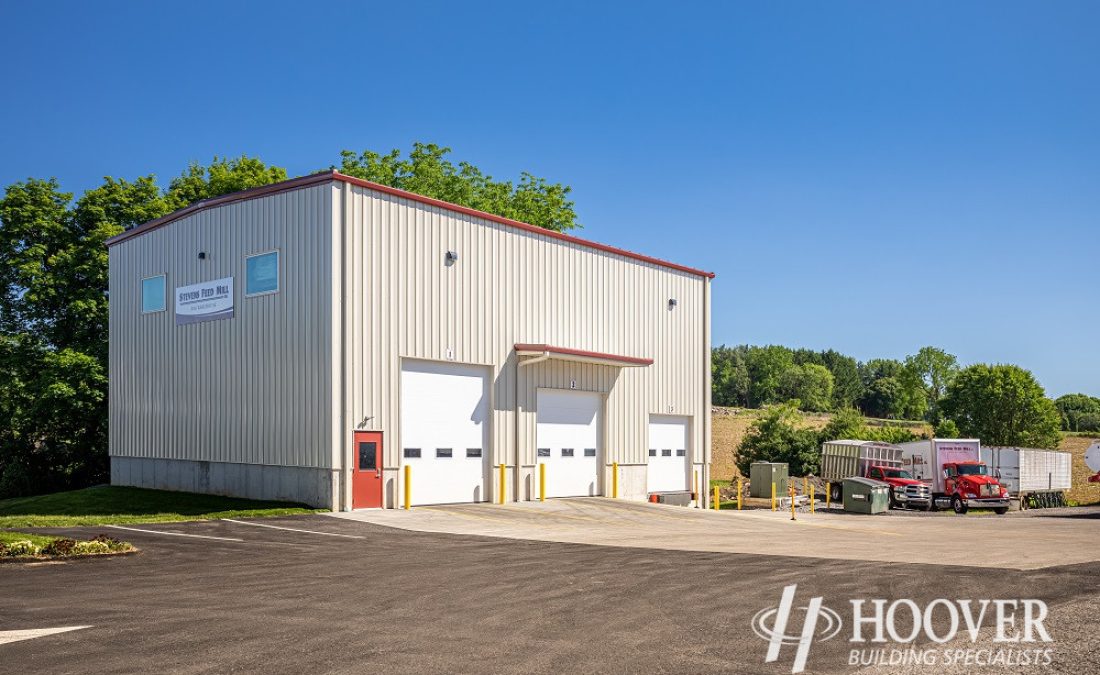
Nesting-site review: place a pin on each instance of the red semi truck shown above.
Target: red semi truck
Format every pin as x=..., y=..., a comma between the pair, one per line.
x=879, y=461
x=960, y=480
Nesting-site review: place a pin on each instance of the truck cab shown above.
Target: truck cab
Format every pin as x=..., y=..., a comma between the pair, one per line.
x=968, y=485
x=904, y=489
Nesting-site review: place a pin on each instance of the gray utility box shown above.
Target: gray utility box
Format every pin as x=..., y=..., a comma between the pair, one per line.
x=761, y=477
x=863, y=495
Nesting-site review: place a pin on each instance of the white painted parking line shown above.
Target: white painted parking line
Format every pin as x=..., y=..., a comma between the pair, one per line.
x=294, y=529
x=175, y=534
x=7, y=636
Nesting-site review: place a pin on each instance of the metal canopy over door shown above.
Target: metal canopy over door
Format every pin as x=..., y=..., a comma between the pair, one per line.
x=568, y=439
x=444, y=425
x=669, y=460
x=366, y=482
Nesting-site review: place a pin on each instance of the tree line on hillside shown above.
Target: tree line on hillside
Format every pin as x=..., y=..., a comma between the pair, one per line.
x=751, y=377
x=53, y=288
x=1000, y=404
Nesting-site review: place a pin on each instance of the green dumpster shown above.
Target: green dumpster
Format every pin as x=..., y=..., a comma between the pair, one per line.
x=863, y=495
x=761, y=477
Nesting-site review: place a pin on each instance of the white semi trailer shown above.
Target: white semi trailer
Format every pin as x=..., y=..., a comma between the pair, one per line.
x=1036, y=477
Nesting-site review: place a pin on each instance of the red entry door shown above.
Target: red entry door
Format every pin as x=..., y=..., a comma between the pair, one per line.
x=366, y=481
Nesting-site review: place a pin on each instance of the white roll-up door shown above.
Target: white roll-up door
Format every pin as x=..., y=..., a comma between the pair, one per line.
x=568, y=440
x=669, y=459
x=444, y=425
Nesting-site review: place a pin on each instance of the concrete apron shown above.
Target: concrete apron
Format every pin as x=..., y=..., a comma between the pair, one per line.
x=976, y=541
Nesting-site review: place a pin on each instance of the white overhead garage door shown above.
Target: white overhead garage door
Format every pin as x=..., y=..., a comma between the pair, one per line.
x=668, y=454
x=444, y=425
x=568, y=440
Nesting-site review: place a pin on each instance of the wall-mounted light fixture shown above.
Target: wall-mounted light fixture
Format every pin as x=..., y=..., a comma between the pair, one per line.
x=671, y=303
x=452, y=257
x=202, y=255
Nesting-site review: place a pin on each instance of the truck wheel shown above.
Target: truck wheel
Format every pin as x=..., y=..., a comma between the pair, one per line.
x=957, y=505
x=930, y=506
x=1001, y=511
x=893, y=500
x=838, y=494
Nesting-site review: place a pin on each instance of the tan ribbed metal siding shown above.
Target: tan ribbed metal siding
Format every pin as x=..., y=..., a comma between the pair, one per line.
x=512, y=286
x=254, y=389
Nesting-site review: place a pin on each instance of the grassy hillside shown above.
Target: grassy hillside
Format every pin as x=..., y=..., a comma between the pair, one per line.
x=731, y=424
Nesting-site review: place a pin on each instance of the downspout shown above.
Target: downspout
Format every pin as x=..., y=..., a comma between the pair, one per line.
x=707, y=388
x=345, y=504
x=538, y=359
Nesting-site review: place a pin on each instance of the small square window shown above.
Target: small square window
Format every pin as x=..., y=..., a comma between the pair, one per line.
x=368, y=456
x=473, y=452
x=666, y=452
x=153, y=292
x=653, y=452
x=261, y=274
x=544, y=452
x=443, y=453
x=681, y=452
x=590, y=452
x=412, y=453
x=567, y=452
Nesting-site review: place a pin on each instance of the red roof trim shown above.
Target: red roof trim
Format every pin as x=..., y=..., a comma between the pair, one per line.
x=243, y=195
x=634, y=360
x=317, y=178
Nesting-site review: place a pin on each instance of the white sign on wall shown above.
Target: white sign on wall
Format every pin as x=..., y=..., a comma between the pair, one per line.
x=206, y=301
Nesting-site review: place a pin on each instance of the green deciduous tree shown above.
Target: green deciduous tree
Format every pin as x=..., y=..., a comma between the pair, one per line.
x=810, y=384
x=1079, y=412
x=888, y=393
x=222, y=177
x=1002, y=405
x=930, y=371
x=766, y=366
x=428, y=171
x=947, y=429
x=729, y=376
x=780, y=435
x=847, y=385
x=849, y=423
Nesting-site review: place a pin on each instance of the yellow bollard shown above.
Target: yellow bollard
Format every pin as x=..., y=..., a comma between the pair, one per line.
x=717, y=500
x=828, y=494
x=408, y=487
x=542, y=482
x=792, y=503
x=773, y=496
x=738, y=494
x=812, y=499
x=805, y=486
x=695, y=489
x=503, y=481
x=615, y=480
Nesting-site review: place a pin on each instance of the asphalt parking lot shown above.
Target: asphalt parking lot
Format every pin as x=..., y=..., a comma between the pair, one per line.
x=1035, y=541
x=328, y=595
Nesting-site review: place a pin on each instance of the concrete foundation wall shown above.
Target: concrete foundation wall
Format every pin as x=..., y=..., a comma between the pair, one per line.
x=314, y=487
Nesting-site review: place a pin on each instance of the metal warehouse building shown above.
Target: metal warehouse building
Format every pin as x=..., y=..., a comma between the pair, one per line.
x=308, y=340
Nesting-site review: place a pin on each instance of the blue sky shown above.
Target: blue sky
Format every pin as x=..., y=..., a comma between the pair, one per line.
x=871, y=177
